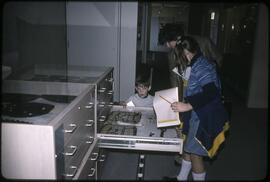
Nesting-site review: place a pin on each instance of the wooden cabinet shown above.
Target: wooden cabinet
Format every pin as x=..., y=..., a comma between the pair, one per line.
x=53, y=148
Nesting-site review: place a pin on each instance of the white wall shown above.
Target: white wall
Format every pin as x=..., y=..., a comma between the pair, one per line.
x=258, y=88
x=104, y=34
x=128, y=45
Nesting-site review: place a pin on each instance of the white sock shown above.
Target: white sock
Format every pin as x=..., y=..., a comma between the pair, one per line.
x=185, y=169
x=198, y=176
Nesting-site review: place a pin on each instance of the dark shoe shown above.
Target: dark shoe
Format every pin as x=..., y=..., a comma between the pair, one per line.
x=167, y=178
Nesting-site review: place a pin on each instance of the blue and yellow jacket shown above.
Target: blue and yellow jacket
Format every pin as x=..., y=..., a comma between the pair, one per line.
x=203, y=92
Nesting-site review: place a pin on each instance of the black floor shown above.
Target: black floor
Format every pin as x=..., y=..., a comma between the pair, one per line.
x=243, y=157
x=245, y=154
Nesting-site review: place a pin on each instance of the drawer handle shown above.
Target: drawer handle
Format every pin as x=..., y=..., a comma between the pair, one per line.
x=92, y=172
x=101, y=119
x=72, y=152
x=89, y=123
x=71, y=174
x=101, y=105
x=94, y=156
x=102, y=90
x=74, y=126
x=102, y=158
x=91, y=140
x=88, y=107
x=109, y=79
x=110, y=92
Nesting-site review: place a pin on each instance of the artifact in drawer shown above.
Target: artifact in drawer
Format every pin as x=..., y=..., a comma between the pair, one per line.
x=121, y=123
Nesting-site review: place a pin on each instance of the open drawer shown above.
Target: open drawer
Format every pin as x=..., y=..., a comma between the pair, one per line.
x=135, y=128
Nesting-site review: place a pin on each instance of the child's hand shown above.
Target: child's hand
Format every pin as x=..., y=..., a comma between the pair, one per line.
x=181, y=107
x=123, y=103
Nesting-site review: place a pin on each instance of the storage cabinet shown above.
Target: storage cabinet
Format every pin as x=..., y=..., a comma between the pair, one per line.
x=74, y=131
x=77, y=143
x=53, y=145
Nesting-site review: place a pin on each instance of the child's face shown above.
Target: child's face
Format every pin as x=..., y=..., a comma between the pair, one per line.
x=142, y=90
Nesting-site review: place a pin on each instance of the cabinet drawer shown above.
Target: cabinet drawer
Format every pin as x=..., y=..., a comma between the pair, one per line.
x=74, y=162
x=82, y=127
x=105, y=96
x=81, y=114
x=89, y=171
x=103, y=108
x=107, y=83
x=82, y=139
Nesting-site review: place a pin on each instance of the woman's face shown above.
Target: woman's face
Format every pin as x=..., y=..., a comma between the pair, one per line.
x=188, y=54
x=171, y=44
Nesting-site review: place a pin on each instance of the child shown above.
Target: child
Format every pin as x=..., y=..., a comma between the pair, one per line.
x=141, y=98
x=205, y=119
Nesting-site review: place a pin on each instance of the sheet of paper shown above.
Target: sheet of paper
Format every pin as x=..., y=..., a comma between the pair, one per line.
x=130, y=103
x=175, y=70
x=186, y=73
x=162, y=106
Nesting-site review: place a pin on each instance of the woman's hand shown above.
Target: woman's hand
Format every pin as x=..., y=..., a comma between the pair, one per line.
x=181, y=107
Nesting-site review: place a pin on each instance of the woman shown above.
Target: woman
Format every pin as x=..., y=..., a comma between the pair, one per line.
x=204, y=117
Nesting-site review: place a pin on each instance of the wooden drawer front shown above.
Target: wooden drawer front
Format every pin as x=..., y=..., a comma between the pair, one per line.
x=105, y=91
x=105, y=87
x=81, y=114
x=104, y=99
x=79, y=136
x=73, y=163
x=84, y=134
x=70, y=155
x=85, y=131
x=89, y=171
x=109, y=97
x=76, y=149
x=107, y=82
x=104, y=95
x=104, y=111
x=103, y=107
